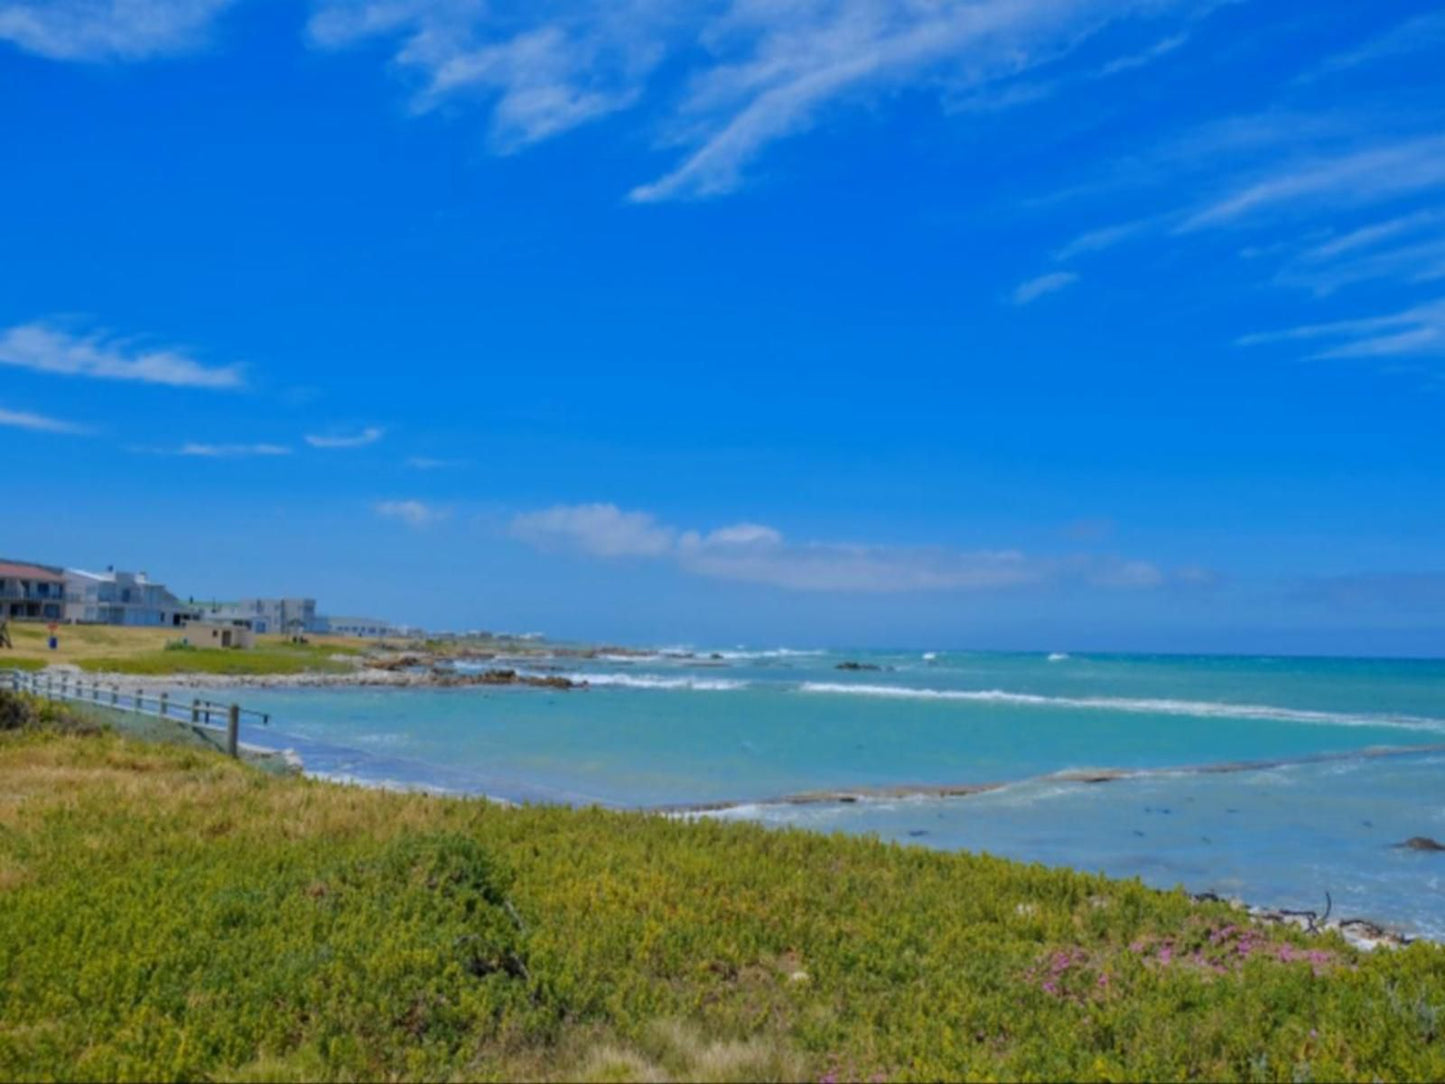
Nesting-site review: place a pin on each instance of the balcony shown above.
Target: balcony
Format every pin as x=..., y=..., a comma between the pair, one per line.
x=23, y=591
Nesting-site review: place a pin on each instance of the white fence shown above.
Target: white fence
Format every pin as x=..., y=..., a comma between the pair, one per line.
x=197, y=714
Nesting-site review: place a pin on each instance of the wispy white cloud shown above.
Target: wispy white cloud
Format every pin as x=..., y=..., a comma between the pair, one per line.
x=802, y=58
x=370, y=435
x=1097, y=240
x=1279, y=175
x=603, y=530
x=1414, y=332
x=1352, y=179
x=544, y=68
x=48, y=349
x=1159, y=49
x=1373, y=234
x=108, y=29
x=413, y=513
x=1419, y=262
x=755, y=71
x=757, y=553
x=39, y=423
x=1027, y=292
x=1418, y=34
x=230, y=451
x=426, y=462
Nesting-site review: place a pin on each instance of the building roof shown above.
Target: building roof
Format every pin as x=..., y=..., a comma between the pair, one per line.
x=26, y=570
x=110, y=575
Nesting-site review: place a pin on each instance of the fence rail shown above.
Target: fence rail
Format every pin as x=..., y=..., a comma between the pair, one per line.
x=196, y=714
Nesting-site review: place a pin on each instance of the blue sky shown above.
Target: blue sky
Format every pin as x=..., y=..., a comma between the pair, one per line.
x=1006, y=323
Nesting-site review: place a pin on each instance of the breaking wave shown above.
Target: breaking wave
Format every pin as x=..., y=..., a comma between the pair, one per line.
x=659, y=681
x=1205, y=709
x=773, y=653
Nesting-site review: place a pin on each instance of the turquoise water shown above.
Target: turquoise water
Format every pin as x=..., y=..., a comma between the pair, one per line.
x=751, y=727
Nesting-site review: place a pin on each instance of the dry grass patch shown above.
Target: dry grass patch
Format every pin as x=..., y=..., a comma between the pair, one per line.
x=121, y=649
x=671, y=1050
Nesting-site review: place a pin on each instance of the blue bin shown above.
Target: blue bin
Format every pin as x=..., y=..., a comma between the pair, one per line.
x=54, y=642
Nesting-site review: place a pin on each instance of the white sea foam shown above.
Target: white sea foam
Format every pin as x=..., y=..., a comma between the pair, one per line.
x=1058, y=656
x=1200, y=708
x=659, y=681
x=739, y=654
x=929, y=656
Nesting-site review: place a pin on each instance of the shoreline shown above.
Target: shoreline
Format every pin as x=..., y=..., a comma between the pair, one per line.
x=1360, y=932
x=410, y=670
x=361, y=677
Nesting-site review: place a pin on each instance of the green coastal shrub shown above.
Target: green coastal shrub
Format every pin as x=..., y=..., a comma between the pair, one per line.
x=170, y=914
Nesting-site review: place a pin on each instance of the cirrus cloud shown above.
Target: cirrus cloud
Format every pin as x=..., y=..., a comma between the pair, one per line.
x=413, y=513
x=39, y=423
x=1028, y=292
x=331, y=441
x=45, y=348
x=93, y=30
x=756, y=553
x=753, y=72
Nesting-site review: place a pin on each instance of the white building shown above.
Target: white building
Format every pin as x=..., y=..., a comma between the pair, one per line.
x=219, y=634
x=30, y=592
x=273, y=616
x=121, y=598
x=368, y=627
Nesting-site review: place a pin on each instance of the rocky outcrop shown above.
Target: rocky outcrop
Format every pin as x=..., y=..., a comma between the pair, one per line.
x=1421, y=843
x=393, y=663
x=451, y=679
x=851, y=665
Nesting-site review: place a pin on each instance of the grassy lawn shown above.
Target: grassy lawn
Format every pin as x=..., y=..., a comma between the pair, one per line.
x=114, y=649
x=168, y=914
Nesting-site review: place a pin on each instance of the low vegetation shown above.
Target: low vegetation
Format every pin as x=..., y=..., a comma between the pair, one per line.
x=168, y=914
x=120, y=650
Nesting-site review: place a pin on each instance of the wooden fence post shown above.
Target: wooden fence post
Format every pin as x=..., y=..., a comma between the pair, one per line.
x=233, y=730
x=115, y=696
x=164, y=697
x=136, y=700
x=196, y=710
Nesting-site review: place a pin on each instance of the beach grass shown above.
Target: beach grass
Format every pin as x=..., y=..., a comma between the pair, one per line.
x=166, y=913
x=127, y=650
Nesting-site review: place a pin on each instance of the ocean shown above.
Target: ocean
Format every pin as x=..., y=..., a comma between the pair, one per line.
x=1274, y=780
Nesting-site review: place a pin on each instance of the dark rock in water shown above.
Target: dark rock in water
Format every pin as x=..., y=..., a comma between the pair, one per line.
x=1367, y=824
x=511, y=677
x=851, y=665
x=1231, y=811
x=917, y=832
x=847, y=798
x=1421, y=843
x=1138, y=833
x=553, y=681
